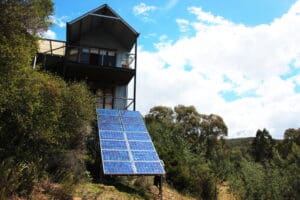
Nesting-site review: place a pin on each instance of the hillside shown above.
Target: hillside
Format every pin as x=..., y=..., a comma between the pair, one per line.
x=239, y=142
x=47, y=191
x=242, y=142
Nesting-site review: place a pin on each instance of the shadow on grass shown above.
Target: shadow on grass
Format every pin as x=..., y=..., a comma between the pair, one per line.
x=129, y=188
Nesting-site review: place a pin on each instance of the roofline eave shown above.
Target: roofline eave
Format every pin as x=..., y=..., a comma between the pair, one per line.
x=101, y=7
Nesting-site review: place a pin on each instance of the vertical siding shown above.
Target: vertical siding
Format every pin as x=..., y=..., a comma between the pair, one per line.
x=101, y=39
x=120, y=92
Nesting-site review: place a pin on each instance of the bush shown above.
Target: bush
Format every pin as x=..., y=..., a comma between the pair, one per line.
x=45, y=122
x=17, y=177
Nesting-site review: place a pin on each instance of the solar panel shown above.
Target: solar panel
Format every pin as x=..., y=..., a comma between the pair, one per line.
x=109, y=119
x=137, y=145
x=126, y=146
x=144, y=155
x=107, y=112
x=134, y=127
x=115, y=135
x=115, y=155
x=111, y=127
x=149, y=167
x=132, y=120
x=137, y=136
x=128, y=113
x=117, y=168
x=111, y=144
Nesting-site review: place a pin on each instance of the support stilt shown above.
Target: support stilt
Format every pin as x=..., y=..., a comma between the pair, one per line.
x=161, y=187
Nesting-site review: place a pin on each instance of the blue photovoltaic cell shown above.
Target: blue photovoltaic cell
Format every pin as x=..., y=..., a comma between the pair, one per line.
x=141, y=146
x=126, y=146
x=137, y=136
x=116, y=135
x=117, y=168
x=144, y=156
x=132, y=120
x=107, y=119
x=133, y=127
x=127, y=113
x=111, y=127
x=109, y=144
x=107, y=112
x=115, y=155
x=149, y=168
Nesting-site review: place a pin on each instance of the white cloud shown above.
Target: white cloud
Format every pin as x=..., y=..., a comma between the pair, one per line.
x=59, y=21
x=143, y=9
x=164, y=42
x=206, y=16
x=251, y=58
x=49, y=34
x=183, y=25
x=297, y=79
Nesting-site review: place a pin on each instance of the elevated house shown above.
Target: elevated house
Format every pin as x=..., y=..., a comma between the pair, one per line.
x=100, y=49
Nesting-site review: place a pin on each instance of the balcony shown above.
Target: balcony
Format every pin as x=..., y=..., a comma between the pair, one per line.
x=92, y=63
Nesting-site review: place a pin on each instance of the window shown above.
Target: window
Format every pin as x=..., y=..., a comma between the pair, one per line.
x=102, y=56
x=105, y=98
x=94, y=56
x=111, y=59
x=84, y=56
x=73, y=54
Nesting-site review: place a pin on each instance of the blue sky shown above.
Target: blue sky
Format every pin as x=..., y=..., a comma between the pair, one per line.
x=160, y=20
x=235, y=58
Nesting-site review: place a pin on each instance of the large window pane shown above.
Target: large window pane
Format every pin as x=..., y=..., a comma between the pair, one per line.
x=73, y=54
x=102, y=55
x=84, y=56
x=94, y=56
x=111, y=59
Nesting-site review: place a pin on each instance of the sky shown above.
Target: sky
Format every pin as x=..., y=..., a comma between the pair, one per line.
x=239, y=59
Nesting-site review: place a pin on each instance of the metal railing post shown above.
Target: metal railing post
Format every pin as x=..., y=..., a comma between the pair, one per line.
x=135, y=74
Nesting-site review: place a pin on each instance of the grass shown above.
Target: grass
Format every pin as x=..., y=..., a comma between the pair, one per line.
x=101, y=191
x=119, y=190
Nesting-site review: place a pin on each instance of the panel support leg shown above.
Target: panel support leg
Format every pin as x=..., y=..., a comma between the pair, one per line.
x=160, y=188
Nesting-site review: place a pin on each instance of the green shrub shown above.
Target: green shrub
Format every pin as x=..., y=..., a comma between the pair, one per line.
x=17, y=177
x=46, y=122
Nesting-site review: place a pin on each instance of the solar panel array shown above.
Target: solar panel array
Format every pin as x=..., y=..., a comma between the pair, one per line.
x=126, y=147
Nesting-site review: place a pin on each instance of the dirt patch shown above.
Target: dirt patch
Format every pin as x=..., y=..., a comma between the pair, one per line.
x=224, y=193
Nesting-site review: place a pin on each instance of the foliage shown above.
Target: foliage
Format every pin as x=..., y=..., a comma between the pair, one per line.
x=17, y=177
x=274, y=175
x=45, y=125
x=44, y=121
x=249, y=182
x=262, y=146
x=21, y=22
x=183, y=139
x=292, y=134
x=197, y=157
x=28, y=16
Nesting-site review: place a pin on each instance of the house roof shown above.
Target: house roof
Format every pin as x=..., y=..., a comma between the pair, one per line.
x=106, y=18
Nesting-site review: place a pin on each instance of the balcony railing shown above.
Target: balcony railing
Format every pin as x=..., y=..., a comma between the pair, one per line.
x=87, y=55
x=52, y=47
x=110, y=102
